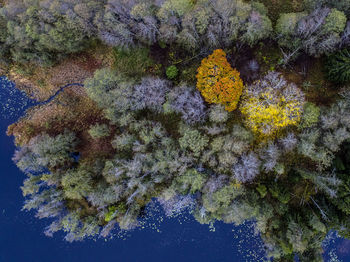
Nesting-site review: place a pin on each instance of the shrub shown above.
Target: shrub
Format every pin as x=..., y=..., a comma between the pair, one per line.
x=337, y=66
x=271, y=104
x=110, y=214
x=262, y=190
x=171, y=72
x=218, y=82
x=335, y=22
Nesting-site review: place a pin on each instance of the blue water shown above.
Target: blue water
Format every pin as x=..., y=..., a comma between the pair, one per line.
x=175, y=239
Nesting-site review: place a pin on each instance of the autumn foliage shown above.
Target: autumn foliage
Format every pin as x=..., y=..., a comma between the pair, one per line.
x=271, y=104
x=218, y=82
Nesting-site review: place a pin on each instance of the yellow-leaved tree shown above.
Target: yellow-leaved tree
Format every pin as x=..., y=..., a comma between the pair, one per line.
x=271, y=104
x=218, y=82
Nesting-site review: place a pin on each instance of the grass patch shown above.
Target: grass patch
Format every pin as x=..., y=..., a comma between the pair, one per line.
x=321, y=91
x=135, y=62
x=269, y=57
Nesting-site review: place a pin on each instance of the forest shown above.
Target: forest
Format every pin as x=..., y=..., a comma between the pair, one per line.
x=232, y=110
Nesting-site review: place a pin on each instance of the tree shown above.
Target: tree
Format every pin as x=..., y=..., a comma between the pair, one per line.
x=50, y=152
x=328, y=183
x=286, y=27
x=115, y=26
x=247, y=168
x=310, y=115
x=99, y=131
x=257, y=27
x=193, y=140
x=190, y=182
x=177, y=7
x=270, y=155
x=4, y=50
x=77, y=183
x=337, y=66
x=124, y=142
x=31, y=185
x=341, y=5
x=217, y=114
x=150, y=93
x=27, y=161
x=218, y=82
x=48, y=202
x=229, y=21
x=289, y=142
x=296, y=236
x=101, y=87
x=316, y=33
x=76, y=227
x=45, y=33
x=112, y=93
x=188, y=102
x=271, y=104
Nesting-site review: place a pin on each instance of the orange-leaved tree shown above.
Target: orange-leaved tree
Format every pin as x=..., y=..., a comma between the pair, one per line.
x=218, y=82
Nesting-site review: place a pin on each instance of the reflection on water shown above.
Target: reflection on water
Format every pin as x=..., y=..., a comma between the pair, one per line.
x=344, y=247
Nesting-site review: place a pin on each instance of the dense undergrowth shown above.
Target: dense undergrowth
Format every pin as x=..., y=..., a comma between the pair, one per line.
x=231, y=109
